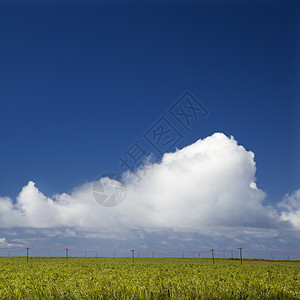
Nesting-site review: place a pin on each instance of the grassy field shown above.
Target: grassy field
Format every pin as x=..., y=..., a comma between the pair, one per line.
x=147, y=278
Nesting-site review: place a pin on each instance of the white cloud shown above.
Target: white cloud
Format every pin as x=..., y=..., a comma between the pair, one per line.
x=4, y=243
x=211, y=182
x=291, y=208
x=208, y=184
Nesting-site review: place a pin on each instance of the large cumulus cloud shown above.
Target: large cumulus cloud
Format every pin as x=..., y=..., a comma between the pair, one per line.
x=209, y=183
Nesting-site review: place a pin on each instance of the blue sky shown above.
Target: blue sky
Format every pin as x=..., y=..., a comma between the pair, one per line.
x=81, y=82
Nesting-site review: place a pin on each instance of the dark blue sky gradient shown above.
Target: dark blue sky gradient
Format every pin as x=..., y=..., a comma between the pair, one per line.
x=80, y=83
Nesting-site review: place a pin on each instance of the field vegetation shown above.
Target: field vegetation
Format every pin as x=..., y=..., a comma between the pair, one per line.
x=147, y=278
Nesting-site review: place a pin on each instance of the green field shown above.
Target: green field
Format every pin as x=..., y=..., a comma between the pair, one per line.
x=147, y=278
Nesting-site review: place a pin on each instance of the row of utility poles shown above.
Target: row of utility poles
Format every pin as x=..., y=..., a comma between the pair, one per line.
x=213, y=255
x=133, y=252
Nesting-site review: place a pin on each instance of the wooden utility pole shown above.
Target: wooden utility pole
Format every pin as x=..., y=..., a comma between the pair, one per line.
x=27, y=250
x=132, y=252
x=212, y=254
x=241, y=256
x=67, y=252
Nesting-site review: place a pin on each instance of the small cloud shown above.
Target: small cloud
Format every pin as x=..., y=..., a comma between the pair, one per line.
x=290, y=206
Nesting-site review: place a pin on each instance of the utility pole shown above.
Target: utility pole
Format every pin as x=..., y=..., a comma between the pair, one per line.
x=224, y=253
x=49, y=253
x=212, y=254
x=132, y=251
x=27, y=250
x=67, y=252
x=241, y=256
x=231, y=254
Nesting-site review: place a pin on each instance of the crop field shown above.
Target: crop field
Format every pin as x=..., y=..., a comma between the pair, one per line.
x=147, y=278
